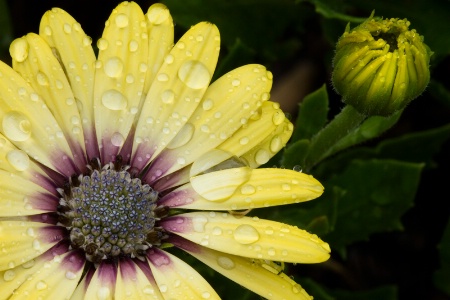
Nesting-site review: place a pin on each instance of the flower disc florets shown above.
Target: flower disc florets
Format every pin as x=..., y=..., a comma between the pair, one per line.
x=109, y=213
x=380, y=66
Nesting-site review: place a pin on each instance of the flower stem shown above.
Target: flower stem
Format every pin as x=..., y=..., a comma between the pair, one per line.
x=322, y=144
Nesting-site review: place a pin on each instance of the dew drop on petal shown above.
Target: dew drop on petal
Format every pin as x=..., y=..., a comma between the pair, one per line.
x=19, y=49
x=167, y=96
x=296, y=288
x=9, y=275
x=148, y=290
x=225, y=262
x=194, y=74
x=248, y=189
x=199, y=223
x=275, y=144
x=162, y=77
x=102, y=44
x=244, y=140
x=217, y=231
x=70, y=275
x=163, y=288
x=206, y=295
x=36, y=245
x=121, y=20
x=117, y=139
x=235, y=82
x=114, y=100
x=246, y=234
x=113, y=67
x=157, y=14
x=169, y=59
x=278, y=118
x=262, y=156
x=16, y=126
x=183, y=136
x=207, y=104
x=41, y=285
x=103, y=293
x=41, y=79
x=67, y=28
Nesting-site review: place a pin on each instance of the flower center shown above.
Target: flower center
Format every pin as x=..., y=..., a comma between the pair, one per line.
x=110, y=214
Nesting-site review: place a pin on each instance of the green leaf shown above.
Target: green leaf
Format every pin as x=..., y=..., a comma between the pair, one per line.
x=312, y=115
x=294, y=154
x=334, y=10
x=442, y=276
x=378, y=192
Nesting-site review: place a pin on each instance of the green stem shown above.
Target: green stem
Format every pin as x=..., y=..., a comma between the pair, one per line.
x=322, y=143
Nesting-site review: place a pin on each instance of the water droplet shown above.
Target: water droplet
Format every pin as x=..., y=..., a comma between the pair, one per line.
x=70, y=275
x=167, y=96
x=194, y=74
x=113, y=67
x=148, y=290
x=133, y=45
x=181, y=45
x=225, y=262
x=41, y=285
x=181, y=160
x=204, y=128
x=271, y=251
x=163, y=288
x=262, y=156
x=16, y=126
x=47, y=30
x=235, y=82
x=244, y=140
x=28, y=264
x=41, y=79
x=36, y=245
x=382, y=79
x=217, y=231
x=269, y=230
x=207, y=104
x=163, y=77
x=206, y=295
x=183, y=136
x=275, y=144
x=103, y=293
x=265, y=96
x=114, y=100
x=19, y=49
x=169, y=59
x=286, y=187
x=248, y=189
x=121, y=20
x=157, y=14
x=278, y=117
x=199, y=223
x=297, y=168
x=9, y=275
x=67, y=28
x=117, y=139
x=102, y=44
x=87, y=41
x=246, y=234
x=296, y=288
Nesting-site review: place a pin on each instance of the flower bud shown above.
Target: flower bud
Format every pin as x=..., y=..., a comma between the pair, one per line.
x=380, y=66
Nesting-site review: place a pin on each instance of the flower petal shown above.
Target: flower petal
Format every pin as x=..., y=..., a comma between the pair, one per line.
x=256, y=275
x=51, y=279
x=23, y=241
x=177, y=91
x=103, y=282
x=160, y=39
x=132, y=283
x=226, y=106
x=26, y=120
x=263, y=136
x=73, y=48
x=249, y=237
x=176, y=279
x=23, y=197
x=119, y=79
x=262, y=188
x=45, y=74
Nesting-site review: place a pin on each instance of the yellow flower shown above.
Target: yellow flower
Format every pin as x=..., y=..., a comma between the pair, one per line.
x=380, y=66
x=99, y=157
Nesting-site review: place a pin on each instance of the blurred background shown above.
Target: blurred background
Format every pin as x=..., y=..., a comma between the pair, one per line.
x=386, y=208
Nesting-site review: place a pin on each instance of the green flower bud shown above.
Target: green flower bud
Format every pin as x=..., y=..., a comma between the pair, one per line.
x=380, y=66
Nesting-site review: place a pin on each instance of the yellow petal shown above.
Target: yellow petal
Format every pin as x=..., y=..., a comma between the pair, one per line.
x=23, y=241
x=178, y=280
x=176, y=91
x=160, y=40
x=263, y=188
x=103, y=282
x=28, y=123
x=48, y=278
x=226, y=106
x=45, y=74
x=73, y=48
x=255, y=275
x=132, y=283
x=120, y=74
x=22, y=197
x=249, y=237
